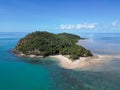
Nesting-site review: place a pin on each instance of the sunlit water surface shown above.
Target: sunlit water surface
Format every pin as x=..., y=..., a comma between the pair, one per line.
x=18, y=73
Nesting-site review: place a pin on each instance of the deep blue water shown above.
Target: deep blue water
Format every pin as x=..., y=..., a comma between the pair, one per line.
x=44, y=74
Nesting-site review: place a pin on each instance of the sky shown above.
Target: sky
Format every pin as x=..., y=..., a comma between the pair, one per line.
x=92, y=16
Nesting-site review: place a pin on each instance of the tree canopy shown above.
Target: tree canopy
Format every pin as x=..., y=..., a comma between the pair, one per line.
x=45, y=44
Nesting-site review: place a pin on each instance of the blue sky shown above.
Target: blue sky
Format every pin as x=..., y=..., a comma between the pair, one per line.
x=60, y=15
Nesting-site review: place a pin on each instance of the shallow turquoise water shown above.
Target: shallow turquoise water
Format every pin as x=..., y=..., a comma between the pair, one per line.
x=35, y=74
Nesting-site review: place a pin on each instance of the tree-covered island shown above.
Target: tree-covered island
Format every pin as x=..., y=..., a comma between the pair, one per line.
x=45, y=44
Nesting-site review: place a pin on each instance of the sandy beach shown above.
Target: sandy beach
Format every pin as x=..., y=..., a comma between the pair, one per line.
x=83, y=62
x=31, y=56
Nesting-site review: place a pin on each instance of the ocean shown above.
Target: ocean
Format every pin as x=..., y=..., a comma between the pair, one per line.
x=20, y=73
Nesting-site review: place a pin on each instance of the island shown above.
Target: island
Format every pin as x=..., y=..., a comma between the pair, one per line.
x=44, y=44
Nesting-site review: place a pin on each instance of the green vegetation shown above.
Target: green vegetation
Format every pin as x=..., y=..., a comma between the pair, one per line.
x=45, y=44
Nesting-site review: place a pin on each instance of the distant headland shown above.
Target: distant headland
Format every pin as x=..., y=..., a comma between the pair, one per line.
x=43, y=44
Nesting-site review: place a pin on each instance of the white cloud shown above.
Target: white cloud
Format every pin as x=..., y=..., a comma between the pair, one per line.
x=114, y=23
x=78, y=26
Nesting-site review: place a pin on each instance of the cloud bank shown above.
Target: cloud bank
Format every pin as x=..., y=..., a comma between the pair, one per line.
x=78, y=26
x=115, y=25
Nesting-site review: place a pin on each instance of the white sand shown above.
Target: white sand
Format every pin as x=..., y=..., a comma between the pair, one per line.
x=31, y=56
x=82, y=62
